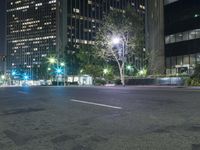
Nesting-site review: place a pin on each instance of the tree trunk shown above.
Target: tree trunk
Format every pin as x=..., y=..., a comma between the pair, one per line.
x=122, y=75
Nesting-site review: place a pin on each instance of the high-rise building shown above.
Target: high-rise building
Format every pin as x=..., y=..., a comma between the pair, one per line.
x=36, y=28
x=182, y=36
x=31, y=33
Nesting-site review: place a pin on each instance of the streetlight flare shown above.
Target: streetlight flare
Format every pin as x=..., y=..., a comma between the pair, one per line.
x=52, y=60
x=115, y=40
x=62, y=64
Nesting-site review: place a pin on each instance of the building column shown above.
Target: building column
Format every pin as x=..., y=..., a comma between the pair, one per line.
x=154, y=36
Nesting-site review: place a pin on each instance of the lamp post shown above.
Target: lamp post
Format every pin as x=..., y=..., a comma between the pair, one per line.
x=63, y=65
x=59, y=67
x=117, y=40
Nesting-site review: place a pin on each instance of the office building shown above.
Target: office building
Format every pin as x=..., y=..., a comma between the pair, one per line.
x=182, y=36
x=31, y=33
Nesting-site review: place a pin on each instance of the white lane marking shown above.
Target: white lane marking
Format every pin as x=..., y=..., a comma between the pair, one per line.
x=21, y=92
x=96, y=104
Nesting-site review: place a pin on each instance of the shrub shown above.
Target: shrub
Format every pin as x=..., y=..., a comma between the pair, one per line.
x=194, y=80
x=100, y=82
x=118, y=82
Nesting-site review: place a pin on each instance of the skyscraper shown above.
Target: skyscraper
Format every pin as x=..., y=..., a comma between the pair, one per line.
x=31, y=33
x=36, y=28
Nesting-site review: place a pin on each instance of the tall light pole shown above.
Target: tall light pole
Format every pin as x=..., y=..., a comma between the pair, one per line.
x=115, y=41
x=59, y=67
x=52, y=61
x=63, y=65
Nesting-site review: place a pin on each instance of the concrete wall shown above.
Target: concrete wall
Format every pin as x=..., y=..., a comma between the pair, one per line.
x=154, y=33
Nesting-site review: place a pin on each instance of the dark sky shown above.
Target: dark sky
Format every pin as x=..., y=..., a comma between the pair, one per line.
x=2, y=25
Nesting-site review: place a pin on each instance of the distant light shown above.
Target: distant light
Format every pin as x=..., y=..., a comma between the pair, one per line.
x=13, y=73
x=58, y=70
x=62, y=64
x=129, y=67
x=3, y=77
x=105, y=71
x=196, y=15
x=25, y=77
x=48, y=69
x=52, y=60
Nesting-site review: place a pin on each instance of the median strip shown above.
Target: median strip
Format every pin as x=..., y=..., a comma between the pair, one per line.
x=96, y=104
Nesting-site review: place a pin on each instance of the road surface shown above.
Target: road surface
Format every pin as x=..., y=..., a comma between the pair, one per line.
x=99, y=118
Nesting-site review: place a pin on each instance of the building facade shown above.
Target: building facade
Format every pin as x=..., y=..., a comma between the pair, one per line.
x=37, y=28
x=182, y=36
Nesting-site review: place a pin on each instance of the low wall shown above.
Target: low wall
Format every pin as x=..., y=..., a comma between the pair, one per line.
x=158, y=81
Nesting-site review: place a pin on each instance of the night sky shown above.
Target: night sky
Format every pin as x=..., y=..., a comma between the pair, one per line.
x=2, y=25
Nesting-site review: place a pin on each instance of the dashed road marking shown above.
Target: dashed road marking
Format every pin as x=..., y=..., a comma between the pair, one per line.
x=96, y=104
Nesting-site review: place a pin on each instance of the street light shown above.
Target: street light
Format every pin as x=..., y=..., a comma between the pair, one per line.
x=115, y=40
x=118, y=40
x=3, y=77
x=63, y=65
x=58, y=70
x=13, y=73
x=105, y=71
x=129, y=67
x=52, y=60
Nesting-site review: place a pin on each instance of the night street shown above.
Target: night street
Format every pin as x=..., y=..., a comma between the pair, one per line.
x=99, y=118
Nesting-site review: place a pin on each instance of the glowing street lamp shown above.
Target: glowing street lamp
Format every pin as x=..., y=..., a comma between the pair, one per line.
x=3, y=77
x=115, y=40
x=105, y=71
x=14, y=73
x=25, y=77
x=62, y=64
x=52, y=60
x=129, y=67
x=58, y=70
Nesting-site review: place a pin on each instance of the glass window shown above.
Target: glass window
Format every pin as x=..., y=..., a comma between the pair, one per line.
x=192, y=59
x=167, y=39
x=179, y=37
x=197, y=33
x=185, y=36
x=173, y=61
x=198, y=58
x=179, y=60
x=186, y=59
x=192, y=34
x=168, y=62
x=172, y=38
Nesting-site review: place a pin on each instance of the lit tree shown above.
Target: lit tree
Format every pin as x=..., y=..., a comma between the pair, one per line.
x=121, y=35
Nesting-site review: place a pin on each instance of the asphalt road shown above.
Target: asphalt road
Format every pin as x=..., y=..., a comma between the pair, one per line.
x=104, y=118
